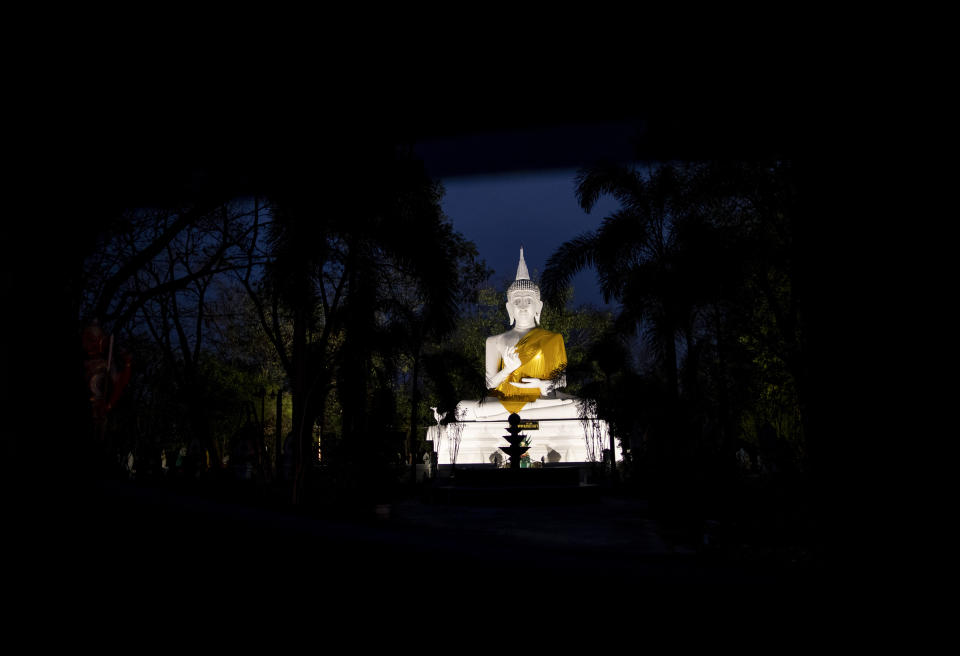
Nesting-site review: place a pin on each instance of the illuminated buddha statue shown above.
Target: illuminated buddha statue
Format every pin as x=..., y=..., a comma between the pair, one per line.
x=525, y=365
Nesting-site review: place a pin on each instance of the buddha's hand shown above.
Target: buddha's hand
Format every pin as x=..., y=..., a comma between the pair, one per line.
x=511, y=361
x=546, y=386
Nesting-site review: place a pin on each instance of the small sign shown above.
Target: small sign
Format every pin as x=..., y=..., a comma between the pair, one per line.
x=529, y=425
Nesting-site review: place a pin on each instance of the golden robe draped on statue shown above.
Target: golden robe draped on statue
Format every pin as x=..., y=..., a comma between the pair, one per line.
x=543, y=356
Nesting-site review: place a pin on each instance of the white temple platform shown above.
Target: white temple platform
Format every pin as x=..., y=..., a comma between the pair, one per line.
x=555, y=440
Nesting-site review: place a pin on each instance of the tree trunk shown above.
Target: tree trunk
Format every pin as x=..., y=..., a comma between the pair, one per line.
x=278, y=437
x=201, y=431
x=414, y=413
x=302, y=428
x=723, y=398
x=670, y=364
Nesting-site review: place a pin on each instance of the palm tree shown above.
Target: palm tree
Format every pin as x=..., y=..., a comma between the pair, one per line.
x=702, y=257
x=300, y=247
x=638, y=254
x=666, y=261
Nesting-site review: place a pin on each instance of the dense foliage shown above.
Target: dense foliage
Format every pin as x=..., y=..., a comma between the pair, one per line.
x=336, y=311
x=300, y=339
x=701, y=259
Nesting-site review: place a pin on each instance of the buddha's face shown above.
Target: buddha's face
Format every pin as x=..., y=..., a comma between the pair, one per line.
x=524, y=308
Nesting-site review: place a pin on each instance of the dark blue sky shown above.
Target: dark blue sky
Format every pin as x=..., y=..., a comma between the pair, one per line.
x=537, y=209
x=510, y=187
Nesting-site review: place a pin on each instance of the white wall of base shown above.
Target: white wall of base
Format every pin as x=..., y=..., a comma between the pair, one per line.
x=557, y=440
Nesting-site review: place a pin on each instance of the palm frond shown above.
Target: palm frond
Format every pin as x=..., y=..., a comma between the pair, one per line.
x=568, y=260
x=622, y=183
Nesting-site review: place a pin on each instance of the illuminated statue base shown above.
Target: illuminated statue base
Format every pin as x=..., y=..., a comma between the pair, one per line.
x=552, y=441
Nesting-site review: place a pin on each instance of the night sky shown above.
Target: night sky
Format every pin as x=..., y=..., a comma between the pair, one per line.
x=537, y=209
x=508, y=188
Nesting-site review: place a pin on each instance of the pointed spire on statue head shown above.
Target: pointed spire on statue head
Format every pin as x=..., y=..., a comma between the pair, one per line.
x=522, y=273
x=522, y=281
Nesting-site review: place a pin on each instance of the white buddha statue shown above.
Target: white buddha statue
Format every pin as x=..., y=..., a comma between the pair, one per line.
x=524, y=365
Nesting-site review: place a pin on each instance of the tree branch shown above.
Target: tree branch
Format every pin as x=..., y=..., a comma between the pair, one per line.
x=138, y=260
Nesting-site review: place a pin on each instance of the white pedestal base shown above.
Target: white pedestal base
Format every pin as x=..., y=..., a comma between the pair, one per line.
x=556, y=440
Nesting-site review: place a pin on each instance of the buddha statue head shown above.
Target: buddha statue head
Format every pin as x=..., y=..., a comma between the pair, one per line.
x=523, y=298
